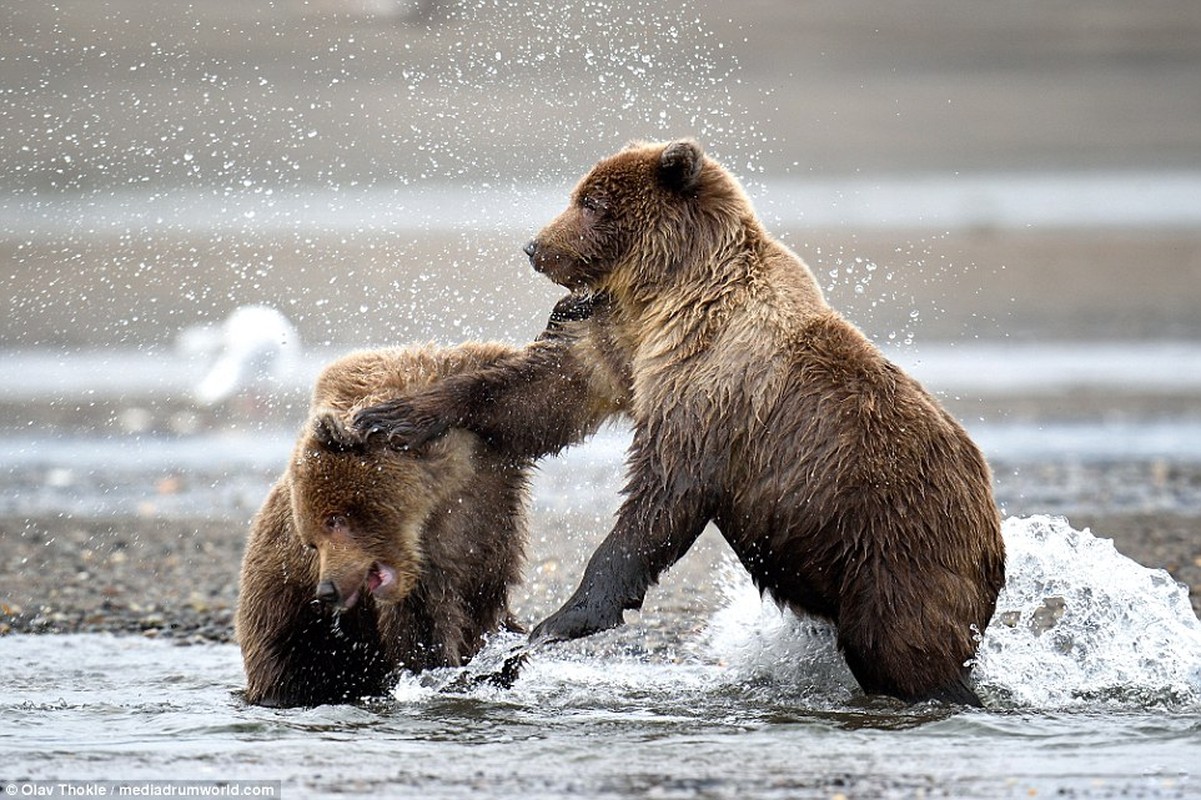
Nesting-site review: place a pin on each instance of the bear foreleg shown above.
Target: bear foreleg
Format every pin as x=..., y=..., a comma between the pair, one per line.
x=528, y=406
x=659, y=521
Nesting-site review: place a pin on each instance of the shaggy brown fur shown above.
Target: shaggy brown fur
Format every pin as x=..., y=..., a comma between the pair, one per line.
x=841, y=485
x=411, y=553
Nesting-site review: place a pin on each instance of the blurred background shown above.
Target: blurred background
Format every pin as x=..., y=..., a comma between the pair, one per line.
x=372, y=168
x=1007, y=196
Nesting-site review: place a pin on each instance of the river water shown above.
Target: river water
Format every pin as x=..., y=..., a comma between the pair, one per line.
x=1091, y=669
x=1091, y=672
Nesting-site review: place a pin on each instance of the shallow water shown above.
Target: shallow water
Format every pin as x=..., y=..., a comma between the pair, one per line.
x=1009, y=200
x=1091, y=669
x=1091, y=672
x=969, y=367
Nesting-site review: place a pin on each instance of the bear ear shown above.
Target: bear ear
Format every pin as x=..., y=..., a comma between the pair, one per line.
x=332, y=433
x=680, y=165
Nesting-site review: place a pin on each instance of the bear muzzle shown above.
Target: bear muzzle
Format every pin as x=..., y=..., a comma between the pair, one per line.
x=538, y=258
x=562, y=267
x=378, y=579
x=330, y=597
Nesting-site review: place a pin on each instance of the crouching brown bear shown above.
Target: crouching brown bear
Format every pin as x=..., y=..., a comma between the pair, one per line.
x=842, y=486
x=366, y=560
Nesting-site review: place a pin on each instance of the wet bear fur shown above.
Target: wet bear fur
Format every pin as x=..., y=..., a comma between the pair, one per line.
x=841, y=485
x=413, y=553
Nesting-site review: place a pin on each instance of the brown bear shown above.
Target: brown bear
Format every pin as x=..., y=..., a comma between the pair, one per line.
x=842, y=486
x=366, y=559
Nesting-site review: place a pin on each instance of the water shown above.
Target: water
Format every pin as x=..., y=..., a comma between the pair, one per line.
x=1019, y=201
x=1079, y=625
x=980, y=367
x=1100, y=696
x=1091, y=669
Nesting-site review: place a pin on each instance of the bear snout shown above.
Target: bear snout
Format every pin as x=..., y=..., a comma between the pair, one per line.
x=555, y=263
x=538, y=257
x=328, y=594
x=330, y=597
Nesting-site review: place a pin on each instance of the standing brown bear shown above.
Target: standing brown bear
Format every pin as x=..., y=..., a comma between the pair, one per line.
x=842, y=486
x=364, y=559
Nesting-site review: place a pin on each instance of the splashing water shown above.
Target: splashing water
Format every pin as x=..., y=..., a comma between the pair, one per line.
x=759, y=642
x=1077, y=625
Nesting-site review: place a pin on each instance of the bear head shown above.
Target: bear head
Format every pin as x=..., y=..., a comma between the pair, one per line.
x=640, y=218
x=361, y=507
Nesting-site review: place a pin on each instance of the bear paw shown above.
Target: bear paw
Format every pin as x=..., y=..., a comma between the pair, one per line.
x=575, y=622
x=399, y=424
x=331, y=430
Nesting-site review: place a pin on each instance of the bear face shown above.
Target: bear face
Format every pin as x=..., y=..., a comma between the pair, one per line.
x=346, y=509
x=663, y=200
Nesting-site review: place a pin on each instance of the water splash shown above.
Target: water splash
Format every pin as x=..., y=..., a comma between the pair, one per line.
x=1077, y=625
x=760, y=643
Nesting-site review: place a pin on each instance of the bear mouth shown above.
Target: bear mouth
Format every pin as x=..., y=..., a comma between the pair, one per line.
x=379, y=576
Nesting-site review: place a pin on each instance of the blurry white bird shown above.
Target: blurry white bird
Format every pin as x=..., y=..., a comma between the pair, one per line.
x=250, y=351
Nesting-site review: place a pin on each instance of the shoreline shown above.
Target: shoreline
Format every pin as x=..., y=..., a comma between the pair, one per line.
x=177, y=579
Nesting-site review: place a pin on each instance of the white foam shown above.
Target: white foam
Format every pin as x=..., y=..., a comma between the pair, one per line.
x=757, y=641
x=578, y=679
x=413, y=689
x=1077, y=625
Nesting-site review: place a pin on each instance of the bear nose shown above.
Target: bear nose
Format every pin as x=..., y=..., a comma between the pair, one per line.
x=328, y=593
x=531, y=248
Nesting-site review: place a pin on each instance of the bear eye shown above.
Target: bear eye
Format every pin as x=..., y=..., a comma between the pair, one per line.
x=590, y=203
x=335, y=521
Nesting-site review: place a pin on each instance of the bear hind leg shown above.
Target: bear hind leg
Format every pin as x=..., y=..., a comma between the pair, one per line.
x=890, y=657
